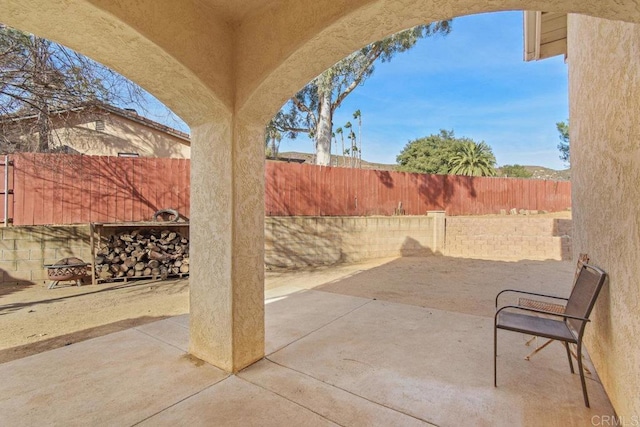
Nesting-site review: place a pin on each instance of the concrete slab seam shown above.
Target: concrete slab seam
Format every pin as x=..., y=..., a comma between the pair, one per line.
x=349, y=392
x=173, y=320
x=322, y=326
x=180, y=401
x=158, y=339
x=289, y=400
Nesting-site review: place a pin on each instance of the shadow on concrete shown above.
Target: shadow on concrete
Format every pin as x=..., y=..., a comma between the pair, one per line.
x=412, y=248
x=12, y=285
x=8, y=308
x=25, y=350
x=460, y=285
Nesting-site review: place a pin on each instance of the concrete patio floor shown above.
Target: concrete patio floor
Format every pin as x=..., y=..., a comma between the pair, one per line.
x=395, y=344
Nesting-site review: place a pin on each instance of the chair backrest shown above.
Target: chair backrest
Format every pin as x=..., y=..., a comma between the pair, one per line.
x=584, y=294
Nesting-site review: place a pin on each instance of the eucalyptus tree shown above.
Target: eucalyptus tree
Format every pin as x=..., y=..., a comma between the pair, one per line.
x=311, y=110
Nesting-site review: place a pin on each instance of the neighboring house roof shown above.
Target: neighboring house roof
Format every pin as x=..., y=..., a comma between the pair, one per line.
x=545, y=35
x=126, y=113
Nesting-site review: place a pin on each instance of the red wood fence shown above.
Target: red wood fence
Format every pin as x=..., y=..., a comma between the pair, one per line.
x=67, y=189
x=299, y=189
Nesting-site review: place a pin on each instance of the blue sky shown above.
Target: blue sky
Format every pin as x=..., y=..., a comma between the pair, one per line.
x=473, y=81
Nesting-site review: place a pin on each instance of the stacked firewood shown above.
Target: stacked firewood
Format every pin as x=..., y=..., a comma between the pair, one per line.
x=142, y=253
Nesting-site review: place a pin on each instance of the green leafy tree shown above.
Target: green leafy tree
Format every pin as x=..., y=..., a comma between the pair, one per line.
x=430, y=154
x=444, y=154
x=563, y=146
x=473, y=159
x=515, y=171
x=311, y=109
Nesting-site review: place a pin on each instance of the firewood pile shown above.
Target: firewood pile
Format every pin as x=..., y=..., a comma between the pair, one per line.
x=142, y=253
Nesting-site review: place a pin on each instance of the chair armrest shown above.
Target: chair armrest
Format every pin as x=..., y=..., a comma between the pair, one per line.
x=535, y=310
x=528, y=293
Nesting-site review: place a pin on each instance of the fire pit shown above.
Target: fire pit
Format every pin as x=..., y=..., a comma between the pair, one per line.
x=67, y=269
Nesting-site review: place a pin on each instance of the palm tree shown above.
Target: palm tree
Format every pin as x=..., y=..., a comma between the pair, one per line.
x=348, y=125
x=339, y=130
x=473, y=159
x=358, y=115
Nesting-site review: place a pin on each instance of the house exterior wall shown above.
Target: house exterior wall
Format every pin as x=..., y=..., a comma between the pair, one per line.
x=123, y=135
x=119, y=134
x=604, y=90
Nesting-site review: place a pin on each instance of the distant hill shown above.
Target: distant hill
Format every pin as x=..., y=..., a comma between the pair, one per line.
x=308, y=158
x=538, y=172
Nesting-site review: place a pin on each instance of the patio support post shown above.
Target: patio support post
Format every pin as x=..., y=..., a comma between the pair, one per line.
x=227, y=243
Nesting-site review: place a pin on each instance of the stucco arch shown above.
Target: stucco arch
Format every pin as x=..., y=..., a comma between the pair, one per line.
x=303, y=39
x=157, y=57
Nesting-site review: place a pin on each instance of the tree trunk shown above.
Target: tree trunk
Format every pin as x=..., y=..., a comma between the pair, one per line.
x=44, y=132
x=41, y=79
x=323, y=131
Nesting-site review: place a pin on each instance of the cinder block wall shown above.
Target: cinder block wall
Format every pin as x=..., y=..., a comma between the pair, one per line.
x=308, y=241
x=305, y=241
x=508, y=238
x=26, y=250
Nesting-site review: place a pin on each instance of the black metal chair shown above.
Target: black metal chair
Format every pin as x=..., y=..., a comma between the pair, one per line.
x=567, y=327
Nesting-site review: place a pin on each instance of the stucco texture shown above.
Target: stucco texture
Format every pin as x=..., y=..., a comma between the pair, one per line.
x=604, y=76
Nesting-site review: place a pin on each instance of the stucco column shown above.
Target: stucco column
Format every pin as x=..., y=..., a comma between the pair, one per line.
x=227, y=243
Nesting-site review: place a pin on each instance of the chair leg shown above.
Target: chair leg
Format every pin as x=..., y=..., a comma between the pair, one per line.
x=575, y=356
x=566, y=345
x=584, y=384
x=495, y=356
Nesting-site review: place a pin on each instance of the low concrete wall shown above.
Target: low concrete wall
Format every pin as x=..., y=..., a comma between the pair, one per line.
x=26, y=250
x=508, y=238
x=306, y=241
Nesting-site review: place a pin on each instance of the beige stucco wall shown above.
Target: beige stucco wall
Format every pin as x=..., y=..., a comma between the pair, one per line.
x=80, y=132
x=604, y=87
x=121, y=135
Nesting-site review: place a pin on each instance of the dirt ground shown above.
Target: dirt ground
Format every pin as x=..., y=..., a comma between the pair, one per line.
x=36, y=319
